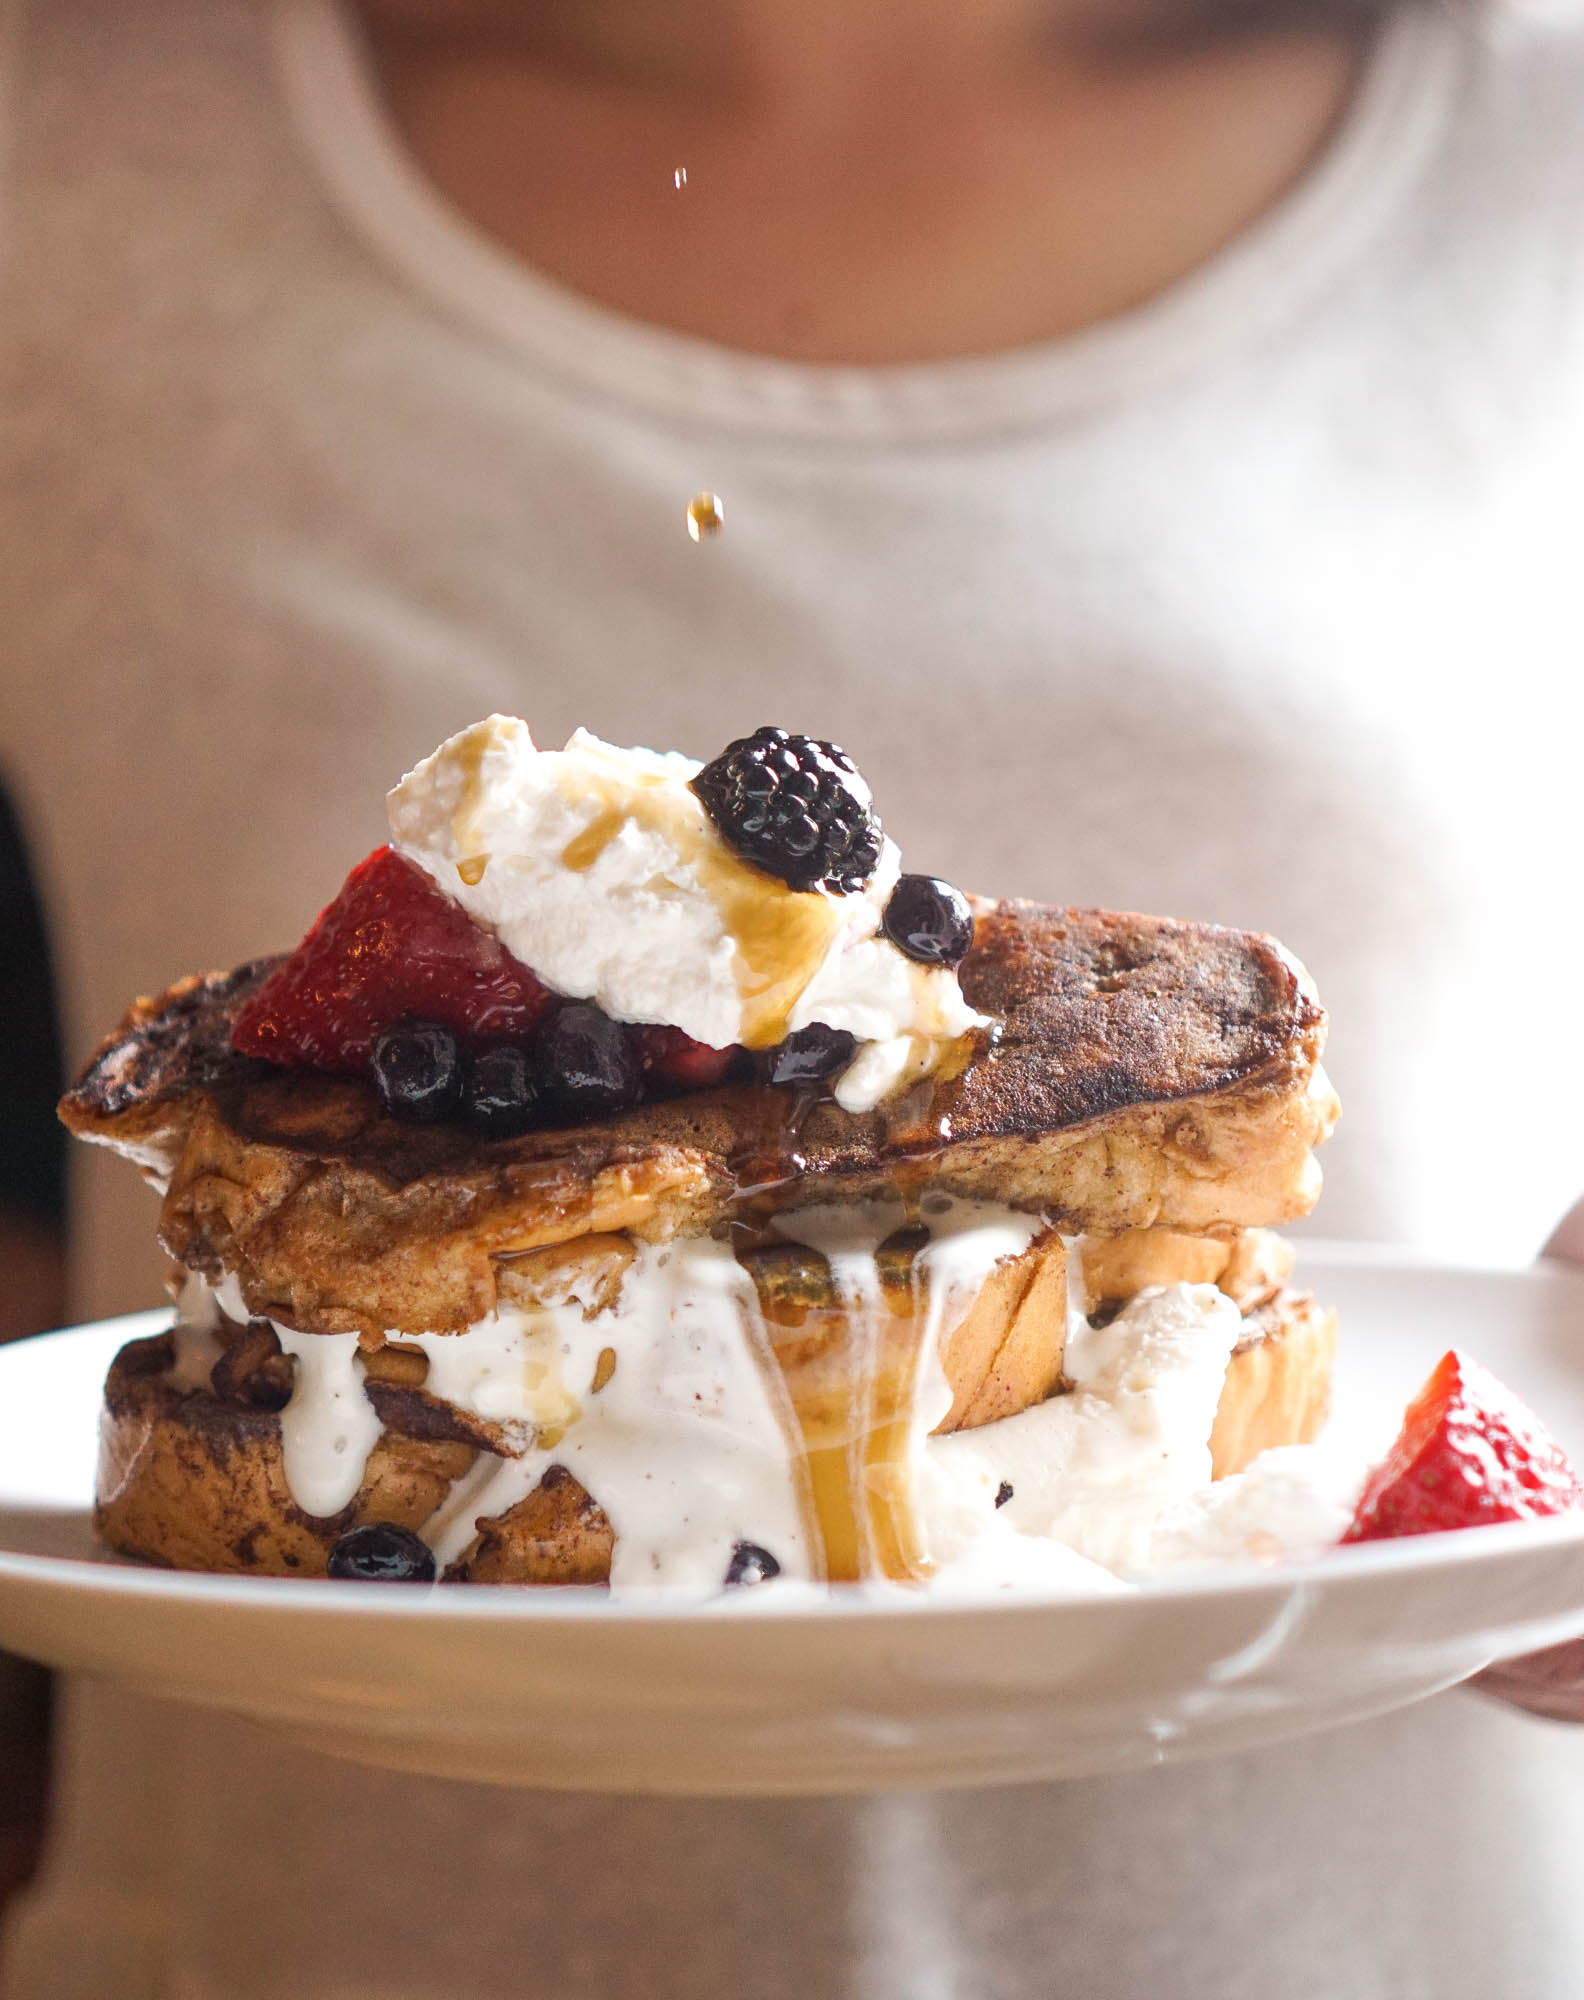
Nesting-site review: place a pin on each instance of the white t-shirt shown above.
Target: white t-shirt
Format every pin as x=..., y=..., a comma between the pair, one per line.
x=1258, y=604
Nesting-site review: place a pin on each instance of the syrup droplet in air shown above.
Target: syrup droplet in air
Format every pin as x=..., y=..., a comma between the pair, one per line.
x=706, y=515
x=680, y=177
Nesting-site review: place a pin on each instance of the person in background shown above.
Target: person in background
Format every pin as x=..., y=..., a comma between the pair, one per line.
x=32, y=1277
x=32, y=1143
x=1150, y=437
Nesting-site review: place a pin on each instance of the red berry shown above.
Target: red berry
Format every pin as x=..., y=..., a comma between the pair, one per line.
x=390, y=946
x=1469, y=1452
x=677, y=1059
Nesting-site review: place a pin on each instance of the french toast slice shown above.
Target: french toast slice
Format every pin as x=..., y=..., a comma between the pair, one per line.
x=1143, y=1073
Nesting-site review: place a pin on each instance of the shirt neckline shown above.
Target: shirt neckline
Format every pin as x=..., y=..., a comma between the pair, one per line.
x=1266, y=275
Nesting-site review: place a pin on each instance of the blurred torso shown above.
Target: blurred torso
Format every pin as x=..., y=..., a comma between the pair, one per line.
x=1251, y=605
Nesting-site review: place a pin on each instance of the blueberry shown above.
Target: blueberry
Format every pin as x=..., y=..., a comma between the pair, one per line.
x=418, y=1071
x=811, y=1055
x=928, y=920
x=503, y=1091
x=750, y=1564
x=380, y=1552
x=1003, y=1493
x=591, y=1066
x=794, y=806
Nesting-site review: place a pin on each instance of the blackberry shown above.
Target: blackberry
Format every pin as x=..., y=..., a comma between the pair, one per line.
x=503, y=1091
x=380, y=1552
x=809, y=1056
x=590, y=1064
x=795, y=807
x=750, y=1564
x=928, y=920
x=418, y=1071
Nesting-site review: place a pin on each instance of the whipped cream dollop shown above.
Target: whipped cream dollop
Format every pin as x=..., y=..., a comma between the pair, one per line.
x=599, y=869
x=1116, y=1472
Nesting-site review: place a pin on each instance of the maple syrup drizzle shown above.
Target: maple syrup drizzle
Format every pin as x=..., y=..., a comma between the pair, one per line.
x=783, y=935
x=581, y=853
x=893, y=1336
x=470, y=759
x=706, y=516
x=768, y=1158
x=849, y=1331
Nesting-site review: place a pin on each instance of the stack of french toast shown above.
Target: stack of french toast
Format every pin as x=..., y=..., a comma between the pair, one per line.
x=1148, y=1095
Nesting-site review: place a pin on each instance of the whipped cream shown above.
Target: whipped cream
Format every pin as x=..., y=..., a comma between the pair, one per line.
x=1292, y=1501
x=1117, y=1471
x=601, y=872
x=687, y=1445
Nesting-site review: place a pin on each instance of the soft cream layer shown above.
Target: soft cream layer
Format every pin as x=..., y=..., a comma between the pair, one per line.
x=599, y=869
x=1118, y=1471
x=689, y=1443
x=690, y=1446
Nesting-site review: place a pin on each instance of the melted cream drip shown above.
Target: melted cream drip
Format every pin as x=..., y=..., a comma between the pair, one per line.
x=193, y=1335
x=691, y=1444
x=1077, y=1295
x=868, y=1485
x=329, y=1427
x=688, y=1446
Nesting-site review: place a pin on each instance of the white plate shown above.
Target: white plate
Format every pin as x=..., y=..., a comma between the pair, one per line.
x=565, y=1688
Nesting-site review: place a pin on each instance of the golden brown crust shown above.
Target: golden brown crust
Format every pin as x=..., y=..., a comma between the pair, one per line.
x=1146, y=1073
x=1006, y=1353
x=557, y=1534
x=327, y=1248
x=1249, y=1265
x=1278, y=1384
x=196, y=1483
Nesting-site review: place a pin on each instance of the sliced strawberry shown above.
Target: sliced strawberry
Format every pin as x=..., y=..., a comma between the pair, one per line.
x=1469, y=1452
x=391, y=945
x=680, y=1061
